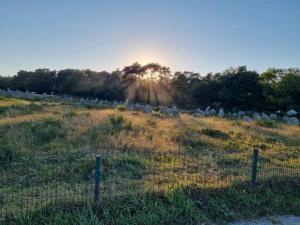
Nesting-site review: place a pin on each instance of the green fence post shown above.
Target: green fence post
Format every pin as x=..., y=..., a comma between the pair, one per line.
x=254, y=166
x=97, y=181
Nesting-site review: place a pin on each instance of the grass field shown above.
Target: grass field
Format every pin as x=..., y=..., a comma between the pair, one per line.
x=155, y=170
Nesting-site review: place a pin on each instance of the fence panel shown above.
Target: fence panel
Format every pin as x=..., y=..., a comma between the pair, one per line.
x=68, y=180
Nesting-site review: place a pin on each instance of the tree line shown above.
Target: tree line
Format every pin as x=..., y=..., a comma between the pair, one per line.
x=234, y=88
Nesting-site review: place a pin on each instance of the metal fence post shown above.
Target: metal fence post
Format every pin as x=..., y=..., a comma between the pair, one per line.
x=254, y=166
x=97, y=180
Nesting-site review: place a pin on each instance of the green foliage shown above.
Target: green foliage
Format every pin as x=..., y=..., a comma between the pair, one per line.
x=116, y=120
x=151, y=122
x=70, y=114
x=124, y=166
x=267, y=123
x=190, y=139
x=179, y=207
x=7, y=152
x=238, y=88
x=215, y=133
x=20, y=109
x=121, y=108
x=47, y=130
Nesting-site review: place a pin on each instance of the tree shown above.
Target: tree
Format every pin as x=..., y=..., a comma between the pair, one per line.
x=289, y=89
x=241, y=89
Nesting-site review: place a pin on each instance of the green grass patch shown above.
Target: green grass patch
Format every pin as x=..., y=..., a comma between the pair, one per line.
x=190, y=205
x=215, y=133
x=19, y=109
x=267, y=123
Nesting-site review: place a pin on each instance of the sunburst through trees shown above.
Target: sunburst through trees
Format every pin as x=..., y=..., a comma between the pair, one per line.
x=147, y=83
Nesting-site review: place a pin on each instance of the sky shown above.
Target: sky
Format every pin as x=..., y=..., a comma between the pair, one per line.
x=195, y=35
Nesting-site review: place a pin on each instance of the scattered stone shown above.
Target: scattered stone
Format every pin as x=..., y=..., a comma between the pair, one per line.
x=241, y=113
x=285, y=119
x=221, y=113
x=247, y=119
x=147, y=109
x=174, y=111
x=212, y=112
x=265, y=116
x=293, y=121
x=291, y=113
x=115, y=104
x=199, y=113
x=207, y=110
x=256, y=116
x=273, y=116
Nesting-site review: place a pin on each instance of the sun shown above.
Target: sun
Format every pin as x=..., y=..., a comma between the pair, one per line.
x=145, y=54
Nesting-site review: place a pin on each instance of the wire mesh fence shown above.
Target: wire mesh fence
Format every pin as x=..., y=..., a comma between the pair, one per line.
x=73, y=180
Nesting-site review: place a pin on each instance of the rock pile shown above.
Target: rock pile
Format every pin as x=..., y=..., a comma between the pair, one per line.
x=290, y=118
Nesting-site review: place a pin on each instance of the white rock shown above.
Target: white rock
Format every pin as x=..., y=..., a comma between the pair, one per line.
x=207, y=110
x=293, y=121
x=291, y=113
x=221, y=113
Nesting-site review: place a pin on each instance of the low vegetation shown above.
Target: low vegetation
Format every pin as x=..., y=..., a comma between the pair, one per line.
x=155, y=170
x=234, y=88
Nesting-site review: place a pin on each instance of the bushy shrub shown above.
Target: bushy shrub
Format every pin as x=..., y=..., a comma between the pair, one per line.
x=215, y=133
x=125, y=166
x=7, y=153
x=121, y=108
x=267, y=123
x=189, y=138
x=116, y=120
x=47, y=130
x=70, y=114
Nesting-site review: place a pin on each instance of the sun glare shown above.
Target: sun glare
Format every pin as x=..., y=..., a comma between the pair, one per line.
x=148, y=55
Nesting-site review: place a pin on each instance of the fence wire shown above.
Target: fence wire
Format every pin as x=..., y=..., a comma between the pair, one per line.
x=45, y=182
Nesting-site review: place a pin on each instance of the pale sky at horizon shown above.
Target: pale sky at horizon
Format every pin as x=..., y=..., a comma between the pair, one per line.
x=197, y=35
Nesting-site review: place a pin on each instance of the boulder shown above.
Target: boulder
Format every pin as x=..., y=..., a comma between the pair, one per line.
x=273, y=116
x=241, y=113
x=162, y=109
x=221, y=113
x=147, y=109
x=285, y=119
x=207, y=110
x=293, y=121
x=115, y=104
x=256, y=116
x=247, y=119
x=212, y=112
x=137, y=107
x=199, y=113
x=265, y=116
x=174, y=111
x=291, y=113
